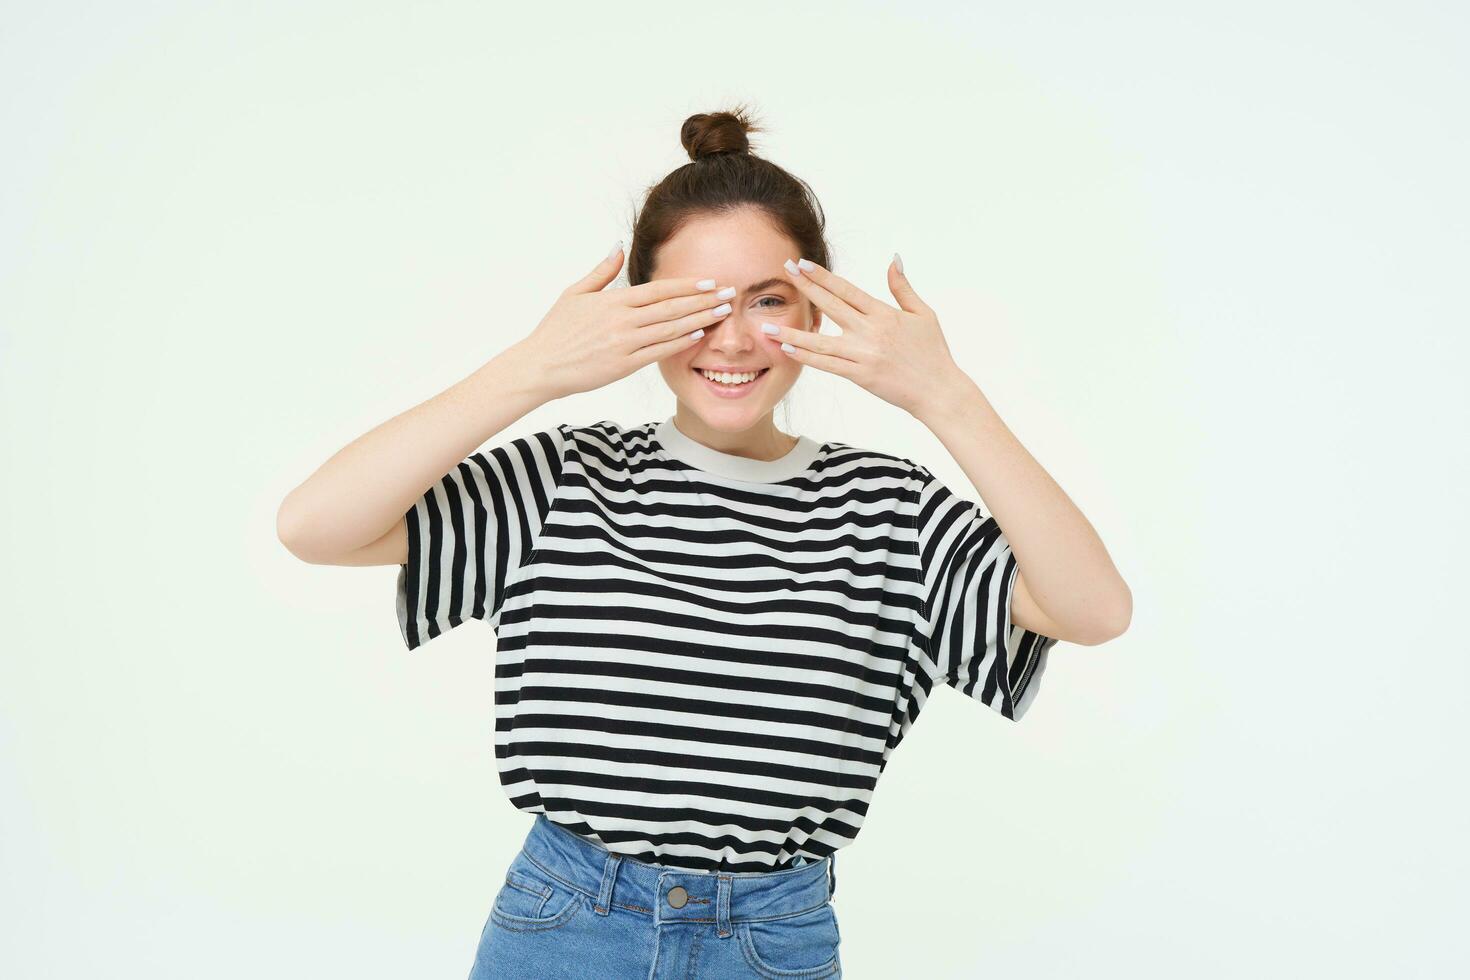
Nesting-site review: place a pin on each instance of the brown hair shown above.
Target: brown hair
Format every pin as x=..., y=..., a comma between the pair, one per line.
x=723, y=175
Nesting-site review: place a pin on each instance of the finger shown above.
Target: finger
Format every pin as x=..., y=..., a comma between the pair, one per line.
x=682, y=306
x=822, y=298
x=808, y=340
x=671, y=324
x=840, y=287
x=602, y=273
x=657, y=290
x=646, y=355
x=826, y=362
x=902, y=290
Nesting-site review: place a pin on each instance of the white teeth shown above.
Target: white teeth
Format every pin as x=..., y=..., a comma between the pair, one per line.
x=729, y=379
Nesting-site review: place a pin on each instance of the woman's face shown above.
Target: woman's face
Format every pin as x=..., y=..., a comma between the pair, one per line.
x=741, y=249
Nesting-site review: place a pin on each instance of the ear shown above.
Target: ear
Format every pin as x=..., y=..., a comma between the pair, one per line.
x=816, y=320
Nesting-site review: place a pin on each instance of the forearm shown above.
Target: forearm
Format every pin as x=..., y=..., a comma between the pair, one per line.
x=1067, y=569
x=357, y=495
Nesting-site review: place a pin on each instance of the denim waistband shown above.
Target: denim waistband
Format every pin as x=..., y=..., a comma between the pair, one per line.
x=722, y=897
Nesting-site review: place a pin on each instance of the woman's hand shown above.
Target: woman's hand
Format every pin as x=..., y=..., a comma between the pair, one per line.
x=900, y=355
x=592, y=337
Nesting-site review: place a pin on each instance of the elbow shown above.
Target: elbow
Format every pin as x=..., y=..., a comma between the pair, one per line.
x=289, y=525
x=1108, y=622
x=1115, y=624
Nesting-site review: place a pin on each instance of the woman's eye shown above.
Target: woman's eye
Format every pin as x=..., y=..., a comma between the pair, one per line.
x=778, y=300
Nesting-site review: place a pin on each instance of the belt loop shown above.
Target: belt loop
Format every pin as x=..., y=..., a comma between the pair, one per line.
x=609, y=872
x=831, y=875
x=723, y=886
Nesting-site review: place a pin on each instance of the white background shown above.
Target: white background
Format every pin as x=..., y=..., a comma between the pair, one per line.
x=1207, y=260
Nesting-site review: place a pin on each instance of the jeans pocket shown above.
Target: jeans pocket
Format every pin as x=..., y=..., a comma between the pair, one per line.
x=804, y=945
x=532, y=899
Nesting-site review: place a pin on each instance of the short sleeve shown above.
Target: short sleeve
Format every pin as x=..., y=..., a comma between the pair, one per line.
x=968, y=574
x=472, y=530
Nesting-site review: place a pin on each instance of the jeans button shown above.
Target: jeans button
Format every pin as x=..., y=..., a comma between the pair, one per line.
x=678, y=897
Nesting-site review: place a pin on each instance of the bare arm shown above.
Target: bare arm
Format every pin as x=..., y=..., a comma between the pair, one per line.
x=1071, y=591
x=351, y=510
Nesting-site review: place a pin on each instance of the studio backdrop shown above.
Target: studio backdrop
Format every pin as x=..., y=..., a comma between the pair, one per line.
x=1206, y=262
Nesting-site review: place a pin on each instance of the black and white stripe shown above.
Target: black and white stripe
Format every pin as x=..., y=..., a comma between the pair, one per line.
x=703, y=660
x=471, y=531
x=969, y=576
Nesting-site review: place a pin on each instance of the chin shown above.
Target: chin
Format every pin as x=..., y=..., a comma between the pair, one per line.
x=728, y=416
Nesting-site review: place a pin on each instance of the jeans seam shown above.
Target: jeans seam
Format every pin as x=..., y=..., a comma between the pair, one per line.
x=747, y=948
x=552, y=874
x=770, y=918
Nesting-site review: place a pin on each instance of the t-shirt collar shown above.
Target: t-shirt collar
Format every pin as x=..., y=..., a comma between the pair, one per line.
x=696, y=454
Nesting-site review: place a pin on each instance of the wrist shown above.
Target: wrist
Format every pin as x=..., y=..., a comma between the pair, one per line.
x=947, y=395
x=512, y=379
x=526, y=374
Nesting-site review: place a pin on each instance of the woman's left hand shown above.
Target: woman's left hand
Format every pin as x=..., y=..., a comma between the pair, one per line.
x=900, y=355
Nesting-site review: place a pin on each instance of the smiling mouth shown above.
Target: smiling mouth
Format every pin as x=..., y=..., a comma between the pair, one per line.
x=739, y=384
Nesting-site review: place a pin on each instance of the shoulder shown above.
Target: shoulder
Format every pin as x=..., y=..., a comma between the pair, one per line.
x=605, y=432
x=869, y=476
x=916, y=493
x=869, y=464
x=605, y=444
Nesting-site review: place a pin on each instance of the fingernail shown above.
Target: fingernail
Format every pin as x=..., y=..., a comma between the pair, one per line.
x=721, y=310
x=616, y=249
x=792, y=268
x=705, y=284
x=898, y=262
x=770, y=328
x=788, y=348
x=727, y=293
x=697, y=334
x=807, y=265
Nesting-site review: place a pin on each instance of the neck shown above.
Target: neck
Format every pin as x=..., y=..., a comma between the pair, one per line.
x=761, y=441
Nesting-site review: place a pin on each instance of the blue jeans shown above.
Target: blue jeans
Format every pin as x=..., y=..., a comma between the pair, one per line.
x=571, y=908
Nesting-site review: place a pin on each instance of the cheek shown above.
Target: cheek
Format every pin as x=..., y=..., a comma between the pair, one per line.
x=784, y=371
x=675, y=368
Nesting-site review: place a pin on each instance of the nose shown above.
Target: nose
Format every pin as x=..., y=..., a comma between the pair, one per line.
x=733, y=332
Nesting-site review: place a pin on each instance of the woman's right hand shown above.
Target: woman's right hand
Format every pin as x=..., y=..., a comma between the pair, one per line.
x=592, y=337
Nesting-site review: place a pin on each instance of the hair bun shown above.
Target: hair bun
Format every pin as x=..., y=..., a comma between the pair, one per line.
x=705, y=134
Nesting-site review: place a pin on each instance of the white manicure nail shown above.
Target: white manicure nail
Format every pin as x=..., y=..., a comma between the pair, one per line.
x=705, y=284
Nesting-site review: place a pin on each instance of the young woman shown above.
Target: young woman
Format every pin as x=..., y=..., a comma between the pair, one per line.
x=711, y=634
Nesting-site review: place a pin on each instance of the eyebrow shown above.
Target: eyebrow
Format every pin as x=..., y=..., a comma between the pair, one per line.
x=756, y=287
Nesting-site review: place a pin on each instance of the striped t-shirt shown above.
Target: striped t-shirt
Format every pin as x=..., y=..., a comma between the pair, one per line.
x=705, y=660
